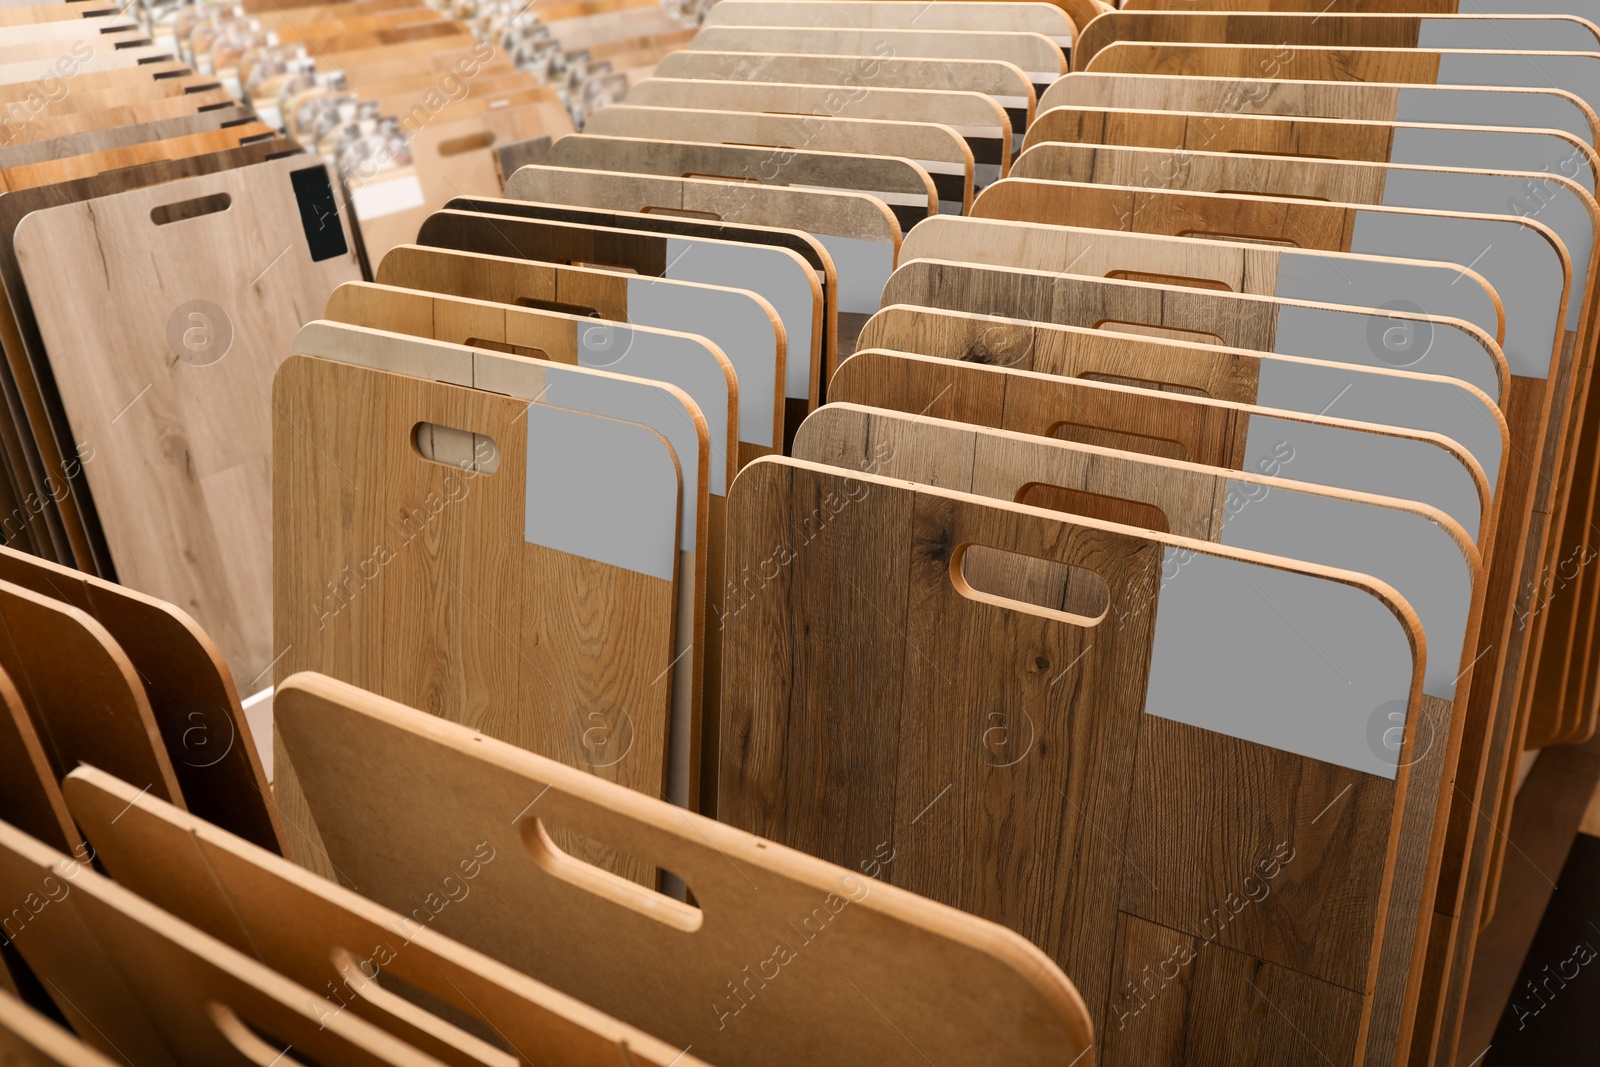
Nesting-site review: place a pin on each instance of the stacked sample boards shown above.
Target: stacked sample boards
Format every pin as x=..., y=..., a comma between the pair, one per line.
x=1070, y=514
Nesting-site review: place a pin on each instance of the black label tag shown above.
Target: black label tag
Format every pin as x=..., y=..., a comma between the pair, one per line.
x=319, y=213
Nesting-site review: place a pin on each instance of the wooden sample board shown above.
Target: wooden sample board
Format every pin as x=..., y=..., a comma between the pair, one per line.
x=541, y=910
x=243, y=896
x=52, y=511
x=936, y=148
x=1101, y=881
x=740, y=322
x=877, y=15
x=595, y=689
x=982, y=122
x=899, y=183
x=198, y=306
x=189, y=689
x=859, y=232
x=780, y=274
x=28, y=1039
x=140, y=985
x=1457, y=410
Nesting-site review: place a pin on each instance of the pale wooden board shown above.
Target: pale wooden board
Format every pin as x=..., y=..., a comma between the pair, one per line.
x=593, y=687
x=193, y=435
x=868, y=14
x=936, y=652
x=913, y=969
x=452, y=157
x=53, y=513
x=900, y=183
x=311, y=930
x=992, y=77
x=137, y=983
x=82, y=692
x=937, y=148
x=1038, y=56
x=979, y=119
x=118, y=134
x=28, y=1039
x=190, y=692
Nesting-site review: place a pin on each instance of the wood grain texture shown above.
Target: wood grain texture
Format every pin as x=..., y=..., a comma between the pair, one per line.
x=190, y=691
x=1335, y=30
x=604, y=294
x=795, y=768
x=690, y=975
x=53, y=510
x=82, y=692
x=638, y=243
x=184, y=425
x=1033, y=52
x=900, y=183
x=568, y=667
x=311, y=931
x=30, y=797
x=937, y=148
x=136, y=982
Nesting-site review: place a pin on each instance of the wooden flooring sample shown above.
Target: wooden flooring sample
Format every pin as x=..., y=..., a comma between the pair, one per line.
x=198, y=286
x=1121, y=784
x=653, y=961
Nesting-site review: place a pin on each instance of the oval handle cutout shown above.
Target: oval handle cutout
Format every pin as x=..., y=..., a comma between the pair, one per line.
x=470, y=1047
x=1242, y=238
x=1165, y=332
x=681, y=212
x=1094, y=505
x=461, y=449
x=560, y=307
x=166, y=214
x=1030, y=584
x=510, y=349
x=1122, y=440
x=1144, y=383
x=1169, y=279
x=470, y=143
x=558, y=863
x=261, y=1050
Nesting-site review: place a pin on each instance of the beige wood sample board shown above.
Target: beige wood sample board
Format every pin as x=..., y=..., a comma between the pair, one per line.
x=139, y=984
x=596, y=689
x=655, y=962
x=324, y=936
x=209, y=278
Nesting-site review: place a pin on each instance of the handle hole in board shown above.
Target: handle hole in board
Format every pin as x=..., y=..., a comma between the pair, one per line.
x=721, y=177
x=1145, y=383
x=255, y=1046
x=615, y=268
x=472, y=142
x=560, y=863
x=1165, y=333
x=510, y=349
x=451, y=447
x=1094, y=505
x=1121, y=440
x=1241, y=238
x=166, y=214
x=1170, y=279
x=1274, y=194
x=459, y=1032
x=1038, y=586
x=560, y=306
x=680, y=212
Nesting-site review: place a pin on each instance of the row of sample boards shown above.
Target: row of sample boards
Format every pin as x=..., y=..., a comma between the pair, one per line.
x=151, y=918
x=1149, y=502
